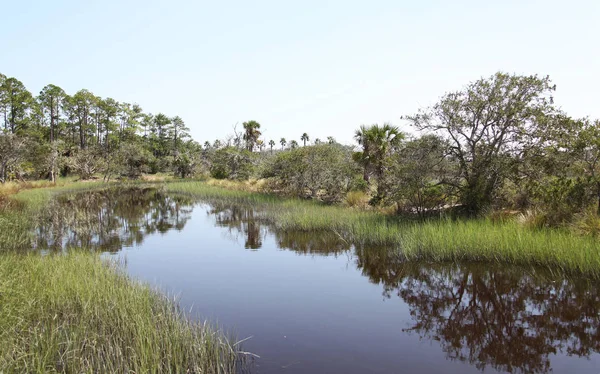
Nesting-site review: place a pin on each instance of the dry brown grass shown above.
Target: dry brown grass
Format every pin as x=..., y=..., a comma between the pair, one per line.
x=357, y=199
x=156, y=177
x=11, y=188
x=587, y=223
x=251, y=185
x=498, y=216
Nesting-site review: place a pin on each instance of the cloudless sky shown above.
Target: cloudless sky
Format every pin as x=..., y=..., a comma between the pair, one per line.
x=321, y=67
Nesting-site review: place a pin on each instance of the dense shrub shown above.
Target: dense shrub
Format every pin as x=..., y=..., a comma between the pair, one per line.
x=323, y=171
x=232, y=163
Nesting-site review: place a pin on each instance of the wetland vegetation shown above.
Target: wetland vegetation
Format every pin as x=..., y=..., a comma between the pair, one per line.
x=492, y=175
x=75, y=312
x=488, y=316
x=439, y=239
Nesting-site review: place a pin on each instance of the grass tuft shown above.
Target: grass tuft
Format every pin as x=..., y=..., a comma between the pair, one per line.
x=74, y=313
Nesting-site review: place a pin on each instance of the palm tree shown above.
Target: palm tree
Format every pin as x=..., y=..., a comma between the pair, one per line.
x=317, y=141
x=377, y=143
x=283, y=142
x=251, y=134
x=304, y=138
x=293, y=144
x=330, y=140
x=271, y=143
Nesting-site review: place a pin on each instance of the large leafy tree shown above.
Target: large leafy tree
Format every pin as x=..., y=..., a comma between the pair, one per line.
x=16, y=101
x=417, y=172
x=82, y=104
x=109, y=109
x=55, y=124
x=179, y=132
x=70, y=123
x=488, y=124
x=159, y=138
x=130, y=120
x=146, y=120
x=584, y=146
x=51, y=100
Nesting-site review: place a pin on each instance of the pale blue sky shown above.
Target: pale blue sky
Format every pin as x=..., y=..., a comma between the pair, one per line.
x=324, y=67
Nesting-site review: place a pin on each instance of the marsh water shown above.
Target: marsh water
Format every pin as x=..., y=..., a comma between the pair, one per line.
x=313, y=303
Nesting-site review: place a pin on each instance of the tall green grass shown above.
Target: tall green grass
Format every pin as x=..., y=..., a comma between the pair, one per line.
x=479, y=240
x=508, y=242
x=74, y=314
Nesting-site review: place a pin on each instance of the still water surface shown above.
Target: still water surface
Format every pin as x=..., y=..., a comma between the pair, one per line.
x=312, y=303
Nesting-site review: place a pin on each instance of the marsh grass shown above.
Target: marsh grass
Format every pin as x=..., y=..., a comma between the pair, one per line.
x=482, y=240
x=250, y=185
x=20, y=209
x=10, y=188
x=506, y=242
x=357, y=199
x=74, y=313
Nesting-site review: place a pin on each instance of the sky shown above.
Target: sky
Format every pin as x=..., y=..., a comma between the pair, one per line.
x=320, y=67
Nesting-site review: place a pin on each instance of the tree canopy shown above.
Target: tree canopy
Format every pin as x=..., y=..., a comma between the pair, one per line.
x=497, y=143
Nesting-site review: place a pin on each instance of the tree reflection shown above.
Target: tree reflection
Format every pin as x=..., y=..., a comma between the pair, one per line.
x=246, y=221
x=309, y=243
x=240, y=219
x=110, y=219
x=505, y=317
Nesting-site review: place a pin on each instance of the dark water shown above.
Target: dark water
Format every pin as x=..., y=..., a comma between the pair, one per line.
x=315, y=304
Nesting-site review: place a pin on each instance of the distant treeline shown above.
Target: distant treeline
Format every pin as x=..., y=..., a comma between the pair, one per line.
x=497, y=143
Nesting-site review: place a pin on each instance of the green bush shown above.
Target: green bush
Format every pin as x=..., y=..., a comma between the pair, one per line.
x=323, y=171
x=232, y=163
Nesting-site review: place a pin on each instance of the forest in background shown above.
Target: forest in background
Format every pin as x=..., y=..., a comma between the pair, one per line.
x=499, y=144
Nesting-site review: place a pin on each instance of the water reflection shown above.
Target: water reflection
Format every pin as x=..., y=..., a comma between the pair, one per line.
x=307, y=243
x=501, y=317
x=247, y=222
x=240, y=220
x=110, y=219
x=508, y=318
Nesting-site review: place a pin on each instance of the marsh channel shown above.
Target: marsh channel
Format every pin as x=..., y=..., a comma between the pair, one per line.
x=313, y=303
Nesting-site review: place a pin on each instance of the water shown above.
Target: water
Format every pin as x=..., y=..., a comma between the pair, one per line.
x=315, y=304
